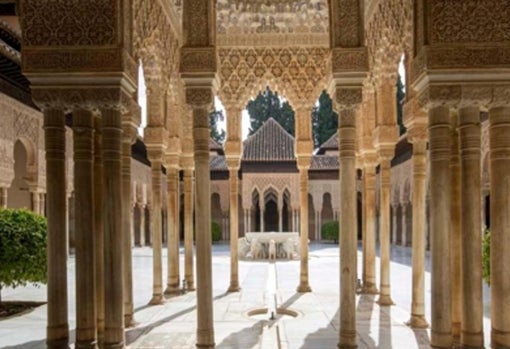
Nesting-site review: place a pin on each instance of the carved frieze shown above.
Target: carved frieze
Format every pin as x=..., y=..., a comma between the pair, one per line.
x=468, y=21
x=297, y=73
x=69, y=23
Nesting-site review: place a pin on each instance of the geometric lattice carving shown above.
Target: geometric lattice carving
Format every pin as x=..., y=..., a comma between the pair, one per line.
x=297, y=73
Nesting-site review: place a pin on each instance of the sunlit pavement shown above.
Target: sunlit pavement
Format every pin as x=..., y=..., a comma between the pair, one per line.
x=173, y=324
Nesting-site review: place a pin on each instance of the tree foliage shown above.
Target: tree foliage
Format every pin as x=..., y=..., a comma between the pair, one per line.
x=22, y=248
x=324, y=120
x=267, y=105
x=215, y=231
x=486, y=257
x=330, y=231
x=400, y=105
x=215, y=133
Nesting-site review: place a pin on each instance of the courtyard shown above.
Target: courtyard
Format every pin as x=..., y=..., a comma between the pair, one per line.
x=173, y=324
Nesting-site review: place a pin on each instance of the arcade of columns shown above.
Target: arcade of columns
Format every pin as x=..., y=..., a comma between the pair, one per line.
x=454, y=72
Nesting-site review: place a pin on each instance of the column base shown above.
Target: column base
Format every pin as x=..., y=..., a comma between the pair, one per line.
x=347, y=346
x=190, y=285
x=385, y=300
x=441, y=340
x=129, y=321
x=206, y=346
x=470, y=340
x=369, y=288
x=417, y=321
x=86, y=345
x=304, y=288
x=57, y=344
x=500, y=339
x=233, y=288
x=172, y=290
x=120, y=345
x=157, y=299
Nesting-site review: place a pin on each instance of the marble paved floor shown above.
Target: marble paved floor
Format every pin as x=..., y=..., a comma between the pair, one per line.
x=172, y=325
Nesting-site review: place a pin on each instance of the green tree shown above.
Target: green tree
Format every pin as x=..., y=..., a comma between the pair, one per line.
x=215, y=231
x=267, y=105
x=217, y=134
x=324, y=120
x=330, y=231
x=401, y=95
x=486, y=257
x=22, y=248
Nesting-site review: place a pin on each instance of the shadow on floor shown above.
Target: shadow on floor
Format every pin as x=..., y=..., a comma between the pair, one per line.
x=247, y=338
x=134, y=333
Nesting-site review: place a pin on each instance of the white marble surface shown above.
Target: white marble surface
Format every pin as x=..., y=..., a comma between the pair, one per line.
x=172, y=325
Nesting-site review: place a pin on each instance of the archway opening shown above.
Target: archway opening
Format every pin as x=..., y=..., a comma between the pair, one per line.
x=18, y=195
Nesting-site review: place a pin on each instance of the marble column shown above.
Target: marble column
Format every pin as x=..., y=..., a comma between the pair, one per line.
x=455, y=231
x=471, y=227
x=249, y=229
x=394, y=225
x=369, y=281
x=128, y=138
x=142, y=224
x=419, y=162
x=234, y=229
x=205, y=323
x=113, y=234
x=57, y=330
x=173, y=286
x=499, y=123
x=348, y=227
x=83, y=139
x=98, y=229
x=188, y=229
x=384, y=227
x=304, y=284
x=262, y=211
x=404, y=224
x=36, y=202
x=43, y=203
x=280, y=219
x=156, y=228
x=440, y=147
x=3, y=197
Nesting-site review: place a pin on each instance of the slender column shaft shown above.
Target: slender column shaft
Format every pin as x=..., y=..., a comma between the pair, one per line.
x=83, y=137
x=404, y=224
x=262, y=221
x=188, y=230
x=456, y=233
x=234, y=231
x=419, y=195
x=57, y=331
x=36, y=203
x=98, y=229
x=394, y=224
x=471, y=225
x=348, y=228
x=369, y=283
x=499, y=120
x=156, y=222
x=142, y=225
x=205, y=329
x=3, y=197
x=127, y=227
x=173, y=231
x=43, y=204
x=439, y=133
x=304, y=285
x=384, y=229
x=113, y=234
x=280, y=219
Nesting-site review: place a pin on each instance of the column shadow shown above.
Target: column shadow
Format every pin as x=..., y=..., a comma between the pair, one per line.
x=247, y=338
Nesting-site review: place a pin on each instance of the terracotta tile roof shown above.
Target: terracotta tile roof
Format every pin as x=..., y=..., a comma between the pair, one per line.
x=213, y=145
x=270, y=143
x=331, y=143
x=218, y=163
x=324, y=162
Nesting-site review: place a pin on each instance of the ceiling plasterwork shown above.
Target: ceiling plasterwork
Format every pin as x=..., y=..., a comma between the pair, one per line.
x=272, y=23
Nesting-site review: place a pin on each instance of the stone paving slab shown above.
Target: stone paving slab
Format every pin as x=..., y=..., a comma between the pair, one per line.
x=173, y=324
